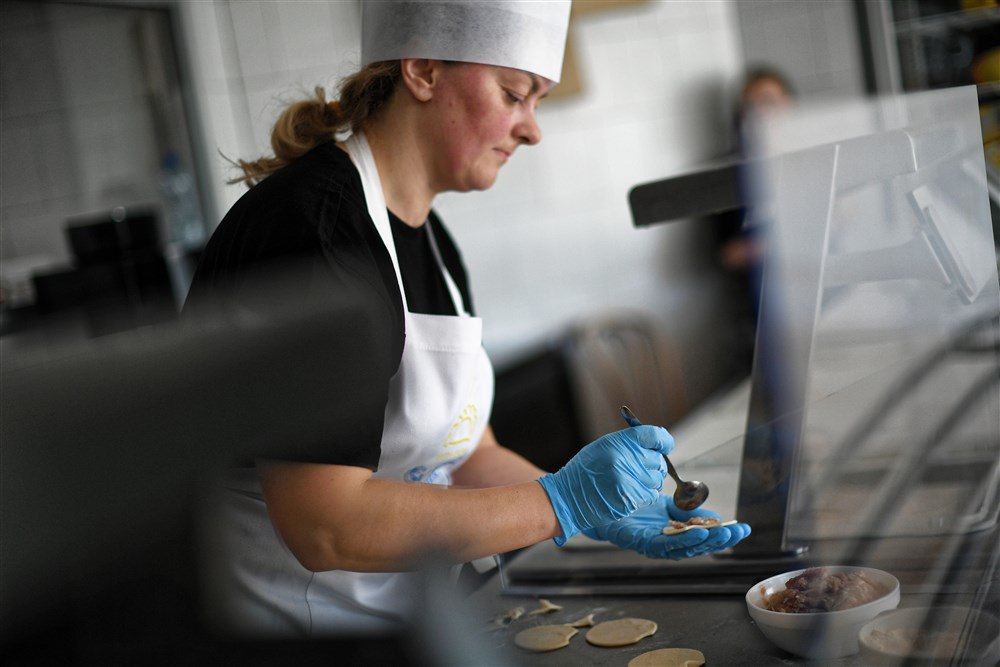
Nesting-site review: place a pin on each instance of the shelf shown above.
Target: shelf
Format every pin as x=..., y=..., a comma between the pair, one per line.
x=972, y=18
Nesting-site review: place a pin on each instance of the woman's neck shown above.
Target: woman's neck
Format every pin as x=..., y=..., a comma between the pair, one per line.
x=399, y=158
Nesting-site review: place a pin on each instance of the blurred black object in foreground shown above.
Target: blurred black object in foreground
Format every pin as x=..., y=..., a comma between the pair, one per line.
x=104, y=452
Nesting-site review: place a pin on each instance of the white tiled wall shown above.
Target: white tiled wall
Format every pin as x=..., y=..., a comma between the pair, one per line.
x=252, y=57
x=815, y=44
x=552, y=241
x=77, y=134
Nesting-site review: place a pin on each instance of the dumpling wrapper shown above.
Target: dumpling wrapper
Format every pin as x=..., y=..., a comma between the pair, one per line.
x=585, y=622
x=543, y=638
x=670, y=530
x=544, y=608
x=620, y=632
x=669, y=657
x=508, y=617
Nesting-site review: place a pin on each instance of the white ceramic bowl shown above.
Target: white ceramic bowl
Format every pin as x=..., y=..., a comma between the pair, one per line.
x=819, y=635
x=983, y=636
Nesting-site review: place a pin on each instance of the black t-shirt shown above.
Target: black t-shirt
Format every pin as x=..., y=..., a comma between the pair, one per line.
x=426, y=291
x=304, y=233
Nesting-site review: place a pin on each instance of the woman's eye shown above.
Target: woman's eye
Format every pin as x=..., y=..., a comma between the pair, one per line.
x=517, y=99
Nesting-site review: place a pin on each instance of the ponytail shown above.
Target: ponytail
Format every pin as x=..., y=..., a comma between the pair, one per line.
x=308, y=123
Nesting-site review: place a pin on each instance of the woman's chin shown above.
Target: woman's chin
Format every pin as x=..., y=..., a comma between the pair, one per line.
x=476, y=184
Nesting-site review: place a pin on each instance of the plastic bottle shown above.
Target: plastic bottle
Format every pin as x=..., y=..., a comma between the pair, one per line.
x=182, y=210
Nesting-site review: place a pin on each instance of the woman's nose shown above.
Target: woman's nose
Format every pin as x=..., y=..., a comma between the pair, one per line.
x=528, y=130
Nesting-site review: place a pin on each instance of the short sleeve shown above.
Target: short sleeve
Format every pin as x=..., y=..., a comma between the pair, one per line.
x=295, y=252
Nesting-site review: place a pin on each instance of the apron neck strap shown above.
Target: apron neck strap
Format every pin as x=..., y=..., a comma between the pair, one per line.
x=361, y=153
x=456, y=294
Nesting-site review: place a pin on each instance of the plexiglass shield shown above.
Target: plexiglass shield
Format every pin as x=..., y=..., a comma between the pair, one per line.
x=875, y=407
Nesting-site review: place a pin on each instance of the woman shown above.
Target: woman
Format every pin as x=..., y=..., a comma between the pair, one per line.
x=447, y=94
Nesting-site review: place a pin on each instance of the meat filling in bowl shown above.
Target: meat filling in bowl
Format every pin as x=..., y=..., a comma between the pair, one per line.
x=817, y=590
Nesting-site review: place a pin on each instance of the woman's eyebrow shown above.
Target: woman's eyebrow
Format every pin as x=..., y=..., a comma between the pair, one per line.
x=536, y=84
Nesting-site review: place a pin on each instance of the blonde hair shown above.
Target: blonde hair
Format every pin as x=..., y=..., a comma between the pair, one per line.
x=305, y=124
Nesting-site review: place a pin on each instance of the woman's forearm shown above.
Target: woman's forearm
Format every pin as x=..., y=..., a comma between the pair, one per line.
x=336, y=517
x=456, y=524
x=495, y=466
x=492, y=464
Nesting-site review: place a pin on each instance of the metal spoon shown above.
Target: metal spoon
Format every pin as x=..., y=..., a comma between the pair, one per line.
x=688, y=495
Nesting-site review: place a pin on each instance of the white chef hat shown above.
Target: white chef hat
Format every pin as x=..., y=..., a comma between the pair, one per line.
x=529, y=35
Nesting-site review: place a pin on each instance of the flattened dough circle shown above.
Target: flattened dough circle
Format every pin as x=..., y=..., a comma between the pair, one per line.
x=544, y=637
x=669, y=657
x=621, y=632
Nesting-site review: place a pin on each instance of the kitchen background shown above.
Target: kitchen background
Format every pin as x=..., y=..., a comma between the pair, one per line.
x=127, y=112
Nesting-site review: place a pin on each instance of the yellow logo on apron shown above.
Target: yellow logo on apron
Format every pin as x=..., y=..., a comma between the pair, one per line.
x=463, y=428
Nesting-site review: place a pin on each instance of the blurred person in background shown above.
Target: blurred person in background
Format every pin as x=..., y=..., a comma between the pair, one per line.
x=765, y=92
x=737, y=236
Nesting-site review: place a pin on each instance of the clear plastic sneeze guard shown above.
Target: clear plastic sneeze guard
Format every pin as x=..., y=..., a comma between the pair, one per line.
x=869, y=430
x=878, y=343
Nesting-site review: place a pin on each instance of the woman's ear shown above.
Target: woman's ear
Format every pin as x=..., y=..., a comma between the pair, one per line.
x=420, y=75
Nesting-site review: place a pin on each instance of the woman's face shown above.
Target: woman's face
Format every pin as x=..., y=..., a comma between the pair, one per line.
x=767, y=96
x=482, y=115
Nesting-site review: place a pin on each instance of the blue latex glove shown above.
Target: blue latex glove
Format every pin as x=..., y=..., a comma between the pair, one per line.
x=643, y=532
x=609, y=478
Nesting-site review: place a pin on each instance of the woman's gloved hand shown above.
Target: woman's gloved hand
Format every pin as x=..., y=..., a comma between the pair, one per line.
x=643, y=532
x=609, y=479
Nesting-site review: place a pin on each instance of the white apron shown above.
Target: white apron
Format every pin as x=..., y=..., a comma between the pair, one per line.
x=438, y=408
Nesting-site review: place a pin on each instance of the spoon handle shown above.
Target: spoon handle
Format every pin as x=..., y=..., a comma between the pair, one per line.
x=629, y=418
x=671, y=471
x=632, y=420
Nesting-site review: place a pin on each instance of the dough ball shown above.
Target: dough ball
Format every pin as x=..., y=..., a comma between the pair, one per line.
x=669, y=657
x=621, y=632
x=544, y=637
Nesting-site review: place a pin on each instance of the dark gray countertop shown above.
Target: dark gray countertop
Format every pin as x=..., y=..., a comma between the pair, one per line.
x=717, y=624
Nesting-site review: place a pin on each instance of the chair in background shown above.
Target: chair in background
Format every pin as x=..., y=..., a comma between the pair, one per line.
x=624, y=358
